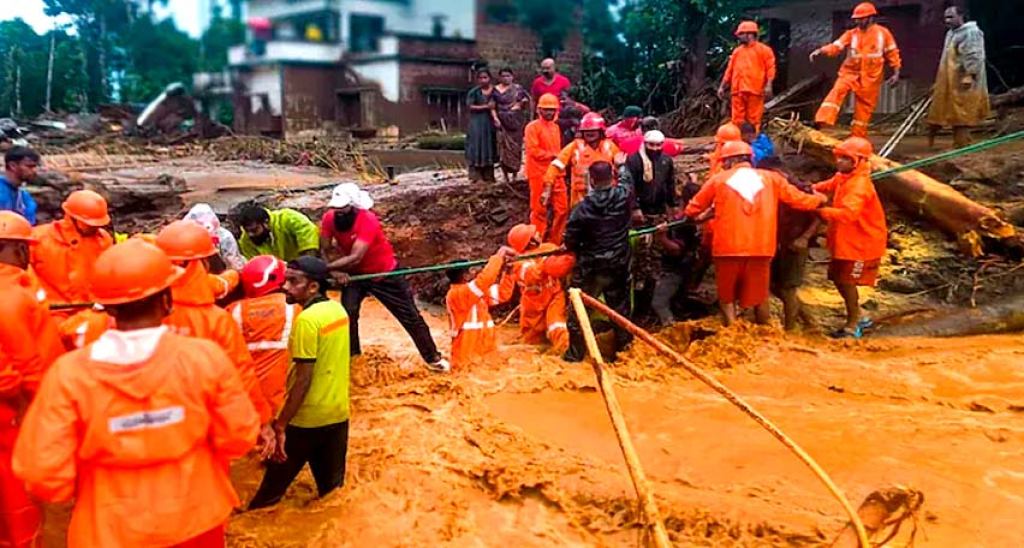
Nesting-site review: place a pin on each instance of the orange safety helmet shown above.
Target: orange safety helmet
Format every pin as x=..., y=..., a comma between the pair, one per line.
x=864, y=9
x=186, y=241
x=592, y=121
x=262, y=275
x=15, y=227
x=747, y=26
x=728, y=132
x=87, y=207
x=558, y=266
x=131, y=271
x=548, y=100
x=857, y=148
x=520, y=235
x=736, y=148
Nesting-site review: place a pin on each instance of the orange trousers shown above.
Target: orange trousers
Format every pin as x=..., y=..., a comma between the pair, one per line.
x=747, y=107
x=542, y=316
x=864, y=100
x=20, y=519
x=559, y=205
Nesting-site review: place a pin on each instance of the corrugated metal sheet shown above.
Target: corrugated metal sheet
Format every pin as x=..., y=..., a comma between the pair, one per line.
x=891, y=98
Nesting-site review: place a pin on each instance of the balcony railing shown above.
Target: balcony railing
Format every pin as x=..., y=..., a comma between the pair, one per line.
x=283, y=51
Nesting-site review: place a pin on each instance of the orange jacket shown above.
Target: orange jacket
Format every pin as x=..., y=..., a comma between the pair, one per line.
x=142, y=447
x=29, y=342
x=746, y=204
x=856, y=220
x=751, y=68
x=224, y=283
x=542, y=141
x=266, y=324
x=866, y=54
x=84, y=328
x=62, y=260
x=195, y=315
x=469, y=315
x=537, y=293
x=578, y=156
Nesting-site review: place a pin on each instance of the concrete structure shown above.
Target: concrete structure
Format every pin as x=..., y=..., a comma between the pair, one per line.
x=796, y=27
x=361, y=65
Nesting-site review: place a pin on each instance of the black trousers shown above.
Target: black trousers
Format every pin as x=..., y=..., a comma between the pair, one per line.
x=324, y=448
x=614, y=285
x=396, y=295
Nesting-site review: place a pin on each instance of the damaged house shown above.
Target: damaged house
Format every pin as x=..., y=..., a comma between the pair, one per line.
x=362, y=65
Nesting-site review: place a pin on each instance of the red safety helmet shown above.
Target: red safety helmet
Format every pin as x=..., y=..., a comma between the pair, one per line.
x=87, y=207
x=131, y=271
x=864, y=9
x=262, y=275
x=747, y=26
x=548, y=100
x=857, y=148
x=592, y=121
x=736, y=148
x=728, y=132
x=15, y=227
x=186, y=241
x=520, y=235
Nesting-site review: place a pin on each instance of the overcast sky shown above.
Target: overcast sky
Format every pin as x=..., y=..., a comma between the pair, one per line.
x=185, y=12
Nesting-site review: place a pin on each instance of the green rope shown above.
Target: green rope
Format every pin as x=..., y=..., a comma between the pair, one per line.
x=948, y=155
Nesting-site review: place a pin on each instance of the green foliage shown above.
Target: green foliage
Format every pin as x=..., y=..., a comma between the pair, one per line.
x=441, y=141
x=550, y=19
x=156, y=54
x=218, y=39
x=652, y=52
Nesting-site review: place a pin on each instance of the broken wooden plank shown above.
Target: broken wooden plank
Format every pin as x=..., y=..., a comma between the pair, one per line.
x=913, y=192
x=793, y=91
x=1012, y=97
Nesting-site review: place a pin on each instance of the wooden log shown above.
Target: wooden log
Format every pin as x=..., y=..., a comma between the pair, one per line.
x=636, y=470
x=1011, y=97
x=793, y=91
x=913, y=192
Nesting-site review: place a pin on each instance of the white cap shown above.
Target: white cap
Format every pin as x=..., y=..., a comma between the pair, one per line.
x=347, y=194
x=654, y=137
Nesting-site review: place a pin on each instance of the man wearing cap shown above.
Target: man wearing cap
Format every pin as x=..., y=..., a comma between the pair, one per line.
x=20, y=164
x=869, y=47
x=628, y=127
x=66, y=249
x=266, y=321
x=28, y=345
x=748, y=76
x=312, y=427
x=632, y=144
x=138, y=427
x=353, y=242
x=590, y=147
x=542, y=139
x=746, y=203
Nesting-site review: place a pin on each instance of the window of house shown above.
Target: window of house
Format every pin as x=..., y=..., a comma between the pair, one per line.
x=364, y=32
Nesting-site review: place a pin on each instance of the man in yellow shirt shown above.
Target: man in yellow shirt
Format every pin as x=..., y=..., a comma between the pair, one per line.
x=284, y=233
x=313, y=424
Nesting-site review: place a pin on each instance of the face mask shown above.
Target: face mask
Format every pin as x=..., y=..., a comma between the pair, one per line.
x=653, y=154
x=343, y=221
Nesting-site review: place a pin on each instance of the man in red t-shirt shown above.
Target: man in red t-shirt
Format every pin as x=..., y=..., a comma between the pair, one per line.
x=352, y=241
x=549, y=81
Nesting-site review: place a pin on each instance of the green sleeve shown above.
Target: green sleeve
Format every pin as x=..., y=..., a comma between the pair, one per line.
x=246, y=246
x=307, y=234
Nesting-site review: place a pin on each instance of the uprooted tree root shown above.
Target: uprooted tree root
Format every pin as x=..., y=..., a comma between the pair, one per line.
x=883, y=512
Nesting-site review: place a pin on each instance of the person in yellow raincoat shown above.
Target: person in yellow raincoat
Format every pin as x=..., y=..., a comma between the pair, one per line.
x=960, y=94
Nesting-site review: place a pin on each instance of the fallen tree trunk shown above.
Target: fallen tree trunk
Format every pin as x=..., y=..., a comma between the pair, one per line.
x=1006, y=316
x=914, y=192
x=1012, y=97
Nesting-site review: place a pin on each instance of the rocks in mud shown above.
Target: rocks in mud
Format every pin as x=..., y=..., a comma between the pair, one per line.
x=136, y=202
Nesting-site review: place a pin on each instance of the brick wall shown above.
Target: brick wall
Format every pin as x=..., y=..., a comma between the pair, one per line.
x=310, y=97
x=510, y=44
x=414, y=46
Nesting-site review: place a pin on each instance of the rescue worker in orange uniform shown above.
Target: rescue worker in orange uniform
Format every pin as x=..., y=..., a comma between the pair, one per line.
x=195, y=314
x=28, y=345
x=66, y=249
x=84, y=327
x=749, y=76
x=746, y=203
x=543, y=142
x=724, y=134
x=468, y=302
x=138, y=428
x=266, y=321
x=541, y=297
x=868, y=47
x=592, y=146
x=857, y=233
